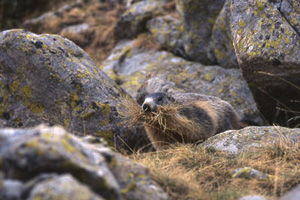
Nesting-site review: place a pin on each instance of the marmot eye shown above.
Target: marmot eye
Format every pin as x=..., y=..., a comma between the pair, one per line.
x=160, y=99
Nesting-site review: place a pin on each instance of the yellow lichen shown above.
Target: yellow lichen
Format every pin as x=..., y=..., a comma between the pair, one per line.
x=107, y=136
x=33, y=143
x=27, y=92
x=66, y=123
x=209, y=77
x=103, y=122
x=142, y=176
x=14, y=86
x=85, y=115
x=245, y=170
x=36, y=107
x=242, y=24
x=67, y=146
x=162, y=56
x=113, y=162
x=219, y=54
x=74, y=99
x=105, y=108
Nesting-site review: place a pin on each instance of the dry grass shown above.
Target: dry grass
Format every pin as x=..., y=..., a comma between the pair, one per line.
x=191, y=172
x=146, y=41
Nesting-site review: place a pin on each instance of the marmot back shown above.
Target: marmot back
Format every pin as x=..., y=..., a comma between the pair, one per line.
x=203, y=116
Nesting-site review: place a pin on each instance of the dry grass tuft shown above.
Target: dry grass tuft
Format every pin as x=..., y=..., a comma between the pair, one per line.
x=191, y=172
x=166, y=118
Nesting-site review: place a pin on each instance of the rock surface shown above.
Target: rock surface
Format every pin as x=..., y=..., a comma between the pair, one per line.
x=62, y=187
x=168, y=31
x=11, y=189
x=84, y=170
x=238, y=141
x=222, y=39
x=249, y=173
x=198, y=19
x=134, y=20
x=254, y=197
x=267, y=45
x=129, y=66
x=48, y=79
x=294, y=194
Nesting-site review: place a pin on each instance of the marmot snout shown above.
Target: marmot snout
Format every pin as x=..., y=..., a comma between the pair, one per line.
x=153, y=100
x=195, y=119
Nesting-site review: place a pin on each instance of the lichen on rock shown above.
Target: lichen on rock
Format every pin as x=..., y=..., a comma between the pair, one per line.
x=48, y=79
x=267, y=46
x=56, y=164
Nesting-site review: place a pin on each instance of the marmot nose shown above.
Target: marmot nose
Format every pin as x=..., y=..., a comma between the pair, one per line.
x=146, y=107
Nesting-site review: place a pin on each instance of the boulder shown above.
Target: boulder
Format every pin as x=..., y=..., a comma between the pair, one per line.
x=48, y=79
x=168, y=31
x=238, y=141
x=134, y=20
x=130, y=67
x=81, y=34
x=222, y=39
x=267, y=44
x=198, y=21
x=82, y=168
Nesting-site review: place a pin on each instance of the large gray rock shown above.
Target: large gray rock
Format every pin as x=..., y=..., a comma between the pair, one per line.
x=26, y=154
x=130, y=66
x=48, y=79
x=198, y=19
x=267, y=45
x=222, y=39
x=237, y=141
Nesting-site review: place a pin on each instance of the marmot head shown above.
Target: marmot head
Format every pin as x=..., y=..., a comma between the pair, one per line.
x=152, y=100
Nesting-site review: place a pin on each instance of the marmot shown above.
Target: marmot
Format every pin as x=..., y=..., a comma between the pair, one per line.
x=196, y=118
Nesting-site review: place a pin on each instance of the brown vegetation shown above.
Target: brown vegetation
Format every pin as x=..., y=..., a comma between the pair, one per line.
x=146, y=41
x=191, y=172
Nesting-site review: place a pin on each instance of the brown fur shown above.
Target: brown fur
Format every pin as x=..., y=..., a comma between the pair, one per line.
x=199, y=130
x=184, y=122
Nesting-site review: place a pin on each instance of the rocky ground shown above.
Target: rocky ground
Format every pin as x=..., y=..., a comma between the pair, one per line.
x=71, y=67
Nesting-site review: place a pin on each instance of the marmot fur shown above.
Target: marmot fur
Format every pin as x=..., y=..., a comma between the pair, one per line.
x=203, y=116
